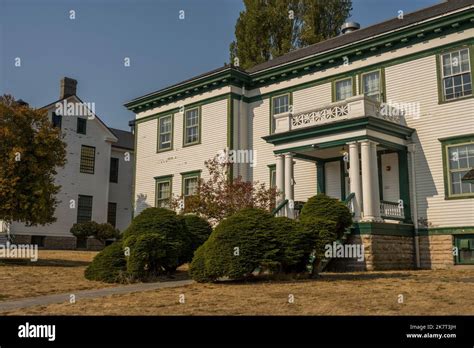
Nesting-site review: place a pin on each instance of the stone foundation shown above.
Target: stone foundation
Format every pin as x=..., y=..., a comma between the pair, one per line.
x=436, y=251
x=381, y=252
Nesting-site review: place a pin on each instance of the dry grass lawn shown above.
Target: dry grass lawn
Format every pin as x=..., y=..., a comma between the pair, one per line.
x=56, y=271
x=446, y=292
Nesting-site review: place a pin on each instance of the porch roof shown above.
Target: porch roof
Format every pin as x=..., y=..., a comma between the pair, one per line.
x=337, y=133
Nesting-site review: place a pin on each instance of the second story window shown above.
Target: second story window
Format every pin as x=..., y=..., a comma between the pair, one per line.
x=371, y=85
x=456, y=74
x=56, y=120
x=81, y=125
x=191, y=126
x=114, y=169
x=165, y=133
x=280, y=104
x=87, y=159
x=343, y=89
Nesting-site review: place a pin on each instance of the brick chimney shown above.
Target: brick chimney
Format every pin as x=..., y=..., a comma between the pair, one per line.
x=67, y=87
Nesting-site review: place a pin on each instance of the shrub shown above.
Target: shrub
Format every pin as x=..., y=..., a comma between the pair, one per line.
x=84, y=229
x=151, y=254
x=106, y=231
x=295, y=244
x=167, y=224
x=197, y=269
x=101, y=232
x=236, y=247
x=321, y=232
x=109, y=265
x=199, y=230
x=325, y=207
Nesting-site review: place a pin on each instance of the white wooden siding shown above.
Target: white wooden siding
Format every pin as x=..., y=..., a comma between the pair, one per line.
x=181, y=159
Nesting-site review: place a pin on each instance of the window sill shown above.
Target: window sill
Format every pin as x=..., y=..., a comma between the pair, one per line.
x=449, y=198
x=455, y=99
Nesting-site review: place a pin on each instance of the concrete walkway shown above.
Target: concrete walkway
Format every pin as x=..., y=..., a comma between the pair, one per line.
x=83, y=294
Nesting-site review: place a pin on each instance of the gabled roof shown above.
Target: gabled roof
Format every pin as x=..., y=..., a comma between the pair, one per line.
x=377, y=36
x=126, y=140
x=112, y=136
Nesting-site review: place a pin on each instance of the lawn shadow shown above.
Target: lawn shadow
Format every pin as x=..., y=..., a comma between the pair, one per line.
x=328, y=277
x=43, y=263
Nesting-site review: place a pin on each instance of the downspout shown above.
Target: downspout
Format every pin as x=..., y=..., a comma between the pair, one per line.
x=412, y=151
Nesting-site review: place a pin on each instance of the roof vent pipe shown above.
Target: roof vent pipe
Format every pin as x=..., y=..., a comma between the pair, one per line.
x=349, y=27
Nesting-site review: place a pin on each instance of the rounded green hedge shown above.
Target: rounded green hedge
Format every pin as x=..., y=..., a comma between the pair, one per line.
x=167, y=224
x=151, y=254
x=199, y=230
x=325, y=207
x=109, y=265
x=295, y=244
x=236, y=247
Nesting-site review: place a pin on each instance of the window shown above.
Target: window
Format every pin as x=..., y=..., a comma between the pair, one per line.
x=343, y=89
x=190, y=186
x=280, y=104
x=190, y=183
x=165, y=133
x=163, y=191
x=465, y=245
x=458, y=157
x=56, y=120
x=114, y=169
x=81, y=125
x=371, y=85
x=460, y=161
x=191, y=126
x=455, y=74
x=84, y=209
x=112, y=213
x=272, y=168
x=87, y=159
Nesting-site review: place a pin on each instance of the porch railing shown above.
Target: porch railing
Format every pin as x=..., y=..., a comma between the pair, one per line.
x=357, y=106
x=349, y=202
x=279, y=207
x=392, y=210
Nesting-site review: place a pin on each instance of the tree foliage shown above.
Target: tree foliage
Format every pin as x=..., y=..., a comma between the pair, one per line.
x=267, y=29
x=220, y=196
x=101, y=232
x=31, y=150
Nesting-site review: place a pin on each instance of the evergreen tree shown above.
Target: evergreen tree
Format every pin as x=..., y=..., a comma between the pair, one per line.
x=267, y=29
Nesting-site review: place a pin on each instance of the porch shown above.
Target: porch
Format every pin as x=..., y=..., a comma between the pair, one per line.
x=360, y=154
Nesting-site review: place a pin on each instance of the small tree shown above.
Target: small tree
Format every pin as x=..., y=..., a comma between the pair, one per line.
x=31, y=150
x=221, y=196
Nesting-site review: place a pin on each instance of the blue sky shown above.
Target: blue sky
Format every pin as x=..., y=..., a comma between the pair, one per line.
x=162, y=48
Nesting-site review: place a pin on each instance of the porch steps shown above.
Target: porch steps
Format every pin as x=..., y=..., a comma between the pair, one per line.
x=325, y=262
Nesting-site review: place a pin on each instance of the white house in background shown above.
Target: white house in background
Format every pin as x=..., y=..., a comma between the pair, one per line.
x=96, y=182
x=380, y=117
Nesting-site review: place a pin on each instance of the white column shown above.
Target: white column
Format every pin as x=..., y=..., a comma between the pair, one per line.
x=375, y=181
x=289, y=182
x=367, y=181
x=354, y=178
x=280, y=180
